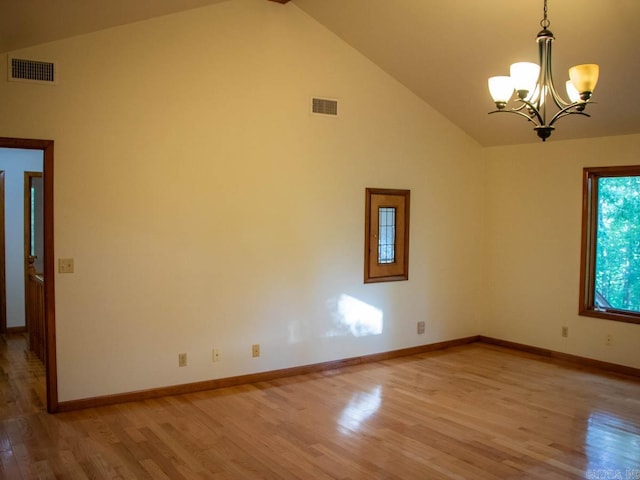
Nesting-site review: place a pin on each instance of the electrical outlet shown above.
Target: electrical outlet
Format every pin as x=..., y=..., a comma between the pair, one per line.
x=565, y=332
x=215, y=355
x=420, y=328
x=609, y=340
x=65, y=265
x=255, y=350
x=182, y=359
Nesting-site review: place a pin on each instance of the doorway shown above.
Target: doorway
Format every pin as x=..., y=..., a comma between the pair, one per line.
x=46, y=146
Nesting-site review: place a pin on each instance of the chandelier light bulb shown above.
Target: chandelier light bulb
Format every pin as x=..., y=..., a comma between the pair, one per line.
x=572, y=92
x=584, y=78
x=524, y=76
x=501, y=89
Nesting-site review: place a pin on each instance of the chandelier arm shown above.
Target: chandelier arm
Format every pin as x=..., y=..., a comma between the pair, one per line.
x=517, y=112
x=517, y=109
x=533, y=112
x=564, y=112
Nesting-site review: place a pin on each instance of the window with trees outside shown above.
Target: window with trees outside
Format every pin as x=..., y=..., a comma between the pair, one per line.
x=610, y=263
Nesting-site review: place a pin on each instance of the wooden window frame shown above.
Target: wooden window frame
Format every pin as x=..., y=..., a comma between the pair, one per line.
x=376, y=198
x=587, y=306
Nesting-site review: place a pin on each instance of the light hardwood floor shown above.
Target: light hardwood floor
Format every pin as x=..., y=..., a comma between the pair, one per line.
x=470, y=412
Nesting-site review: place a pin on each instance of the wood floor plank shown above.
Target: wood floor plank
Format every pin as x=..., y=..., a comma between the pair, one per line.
x=475, y=411
x=9, y=466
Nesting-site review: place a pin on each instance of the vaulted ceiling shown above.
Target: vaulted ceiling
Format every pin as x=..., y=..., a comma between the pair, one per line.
x=443, y=51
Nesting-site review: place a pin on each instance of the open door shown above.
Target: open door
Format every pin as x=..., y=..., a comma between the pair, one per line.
x=34, y=220
x=34, y=279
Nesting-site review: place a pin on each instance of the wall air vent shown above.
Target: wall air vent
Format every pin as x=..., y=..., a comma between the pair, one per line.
x=33, y=71
x=324, y=106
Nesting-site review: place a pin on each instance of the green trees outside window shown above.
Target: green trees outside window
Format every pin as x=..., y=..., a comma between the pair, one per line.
x=618, y=243
x=610, y=273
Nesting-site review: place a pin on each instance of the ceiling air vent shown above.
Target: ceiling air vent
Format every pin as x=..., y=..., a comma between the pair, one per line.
x=34, y=71
x=324, y=106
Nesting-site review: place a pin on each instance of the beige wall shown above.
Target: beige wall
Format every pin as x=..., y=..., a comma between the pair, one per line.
x=206, y=208
x=533, y=263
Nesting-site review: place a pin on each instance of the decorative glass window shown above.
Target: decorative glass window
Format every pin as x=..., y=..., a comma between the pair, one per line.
x=386, y=235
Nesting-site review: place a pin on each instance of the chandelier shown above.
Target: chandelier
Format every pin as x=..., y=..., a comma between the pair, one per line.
x=534, y=87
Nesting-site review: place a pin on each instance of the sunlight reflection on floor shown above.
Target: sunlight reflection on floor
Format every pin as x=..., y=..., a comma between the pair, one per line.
x=361, y=406
x=612, y=447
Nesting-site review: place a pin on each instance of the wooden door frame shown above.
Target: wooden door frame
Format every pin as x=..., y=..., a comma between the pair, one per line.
x=49, y=262
x=3, y=279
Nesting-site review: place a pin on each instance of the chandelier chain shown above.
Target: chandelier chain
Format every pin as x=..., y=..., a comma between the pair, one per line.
x=544, y=23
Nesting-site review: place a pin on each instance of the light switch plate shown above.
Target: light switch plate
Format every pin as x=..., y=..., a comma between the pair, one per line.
x=65, y=265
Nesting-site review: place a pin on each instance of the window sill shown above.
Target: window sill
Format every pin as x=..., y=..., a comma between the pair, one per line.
x=617, y=315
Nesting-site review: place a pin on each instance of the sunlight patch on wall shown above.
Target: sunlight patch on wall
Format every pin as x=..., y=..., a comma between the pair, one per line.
x=354, y=317
x=298, y=331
